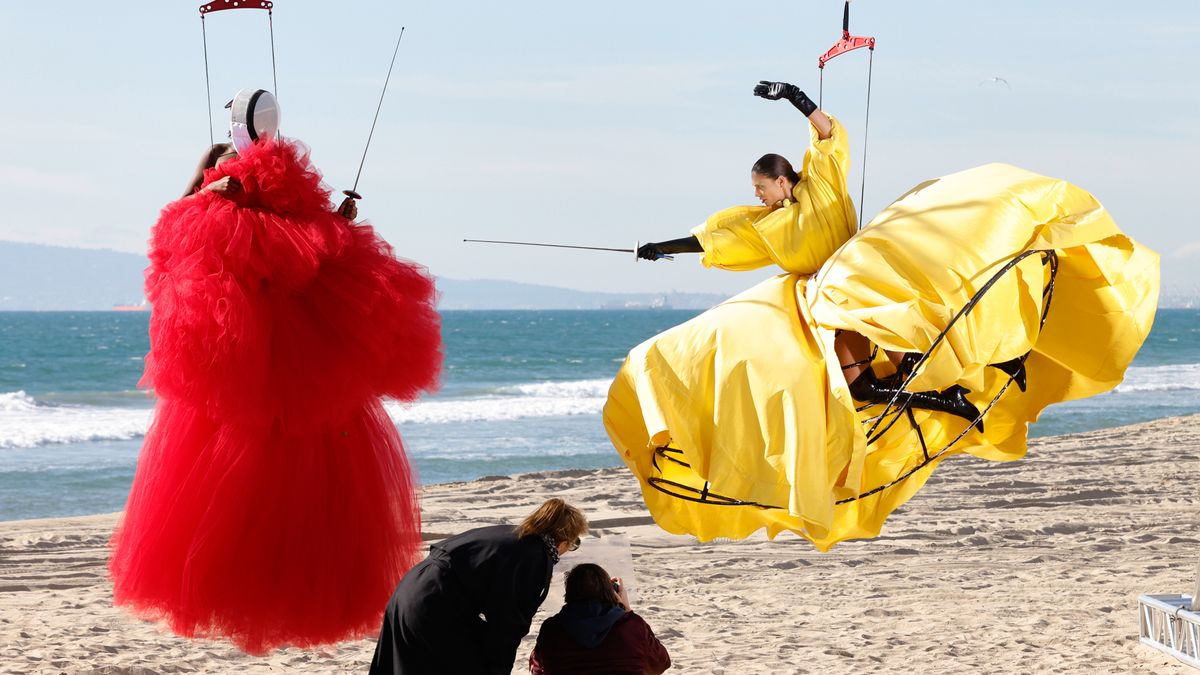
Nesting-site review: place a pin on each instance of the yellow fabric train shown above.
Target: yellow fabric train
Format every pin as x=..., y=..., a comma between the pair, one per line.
x=742, y=415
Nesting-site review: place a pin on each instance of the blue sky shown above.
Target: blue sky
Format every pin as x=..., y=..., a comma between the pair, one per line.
x=595, y=123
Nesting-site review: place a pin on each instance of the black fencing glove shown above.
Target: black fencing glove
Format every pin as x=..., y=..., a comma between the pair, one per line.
x=654, y=251
x=649, y=251
x=773, y=91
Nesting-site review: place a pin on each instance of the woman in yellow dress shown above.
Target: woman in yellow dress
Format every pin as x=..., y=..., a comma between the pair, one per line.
x=804, y=219
x=741, y=418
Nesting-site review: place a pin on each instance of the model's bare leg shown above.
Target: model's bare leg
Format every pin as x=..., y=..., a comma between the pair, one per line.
x=854, y=354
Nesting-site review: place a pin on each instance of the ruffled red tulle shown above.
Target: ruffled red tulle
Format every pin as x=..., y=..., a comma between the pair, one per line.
x=273, y=503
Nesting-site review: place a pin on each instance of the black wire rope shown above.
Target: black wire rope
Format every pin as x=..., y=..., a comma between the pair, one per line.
x=962, y=312
x=707, y=496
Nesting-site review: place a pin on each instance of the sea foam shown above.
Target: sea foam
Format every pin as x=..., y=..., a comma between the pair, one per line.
x=1181, y=377
x=541, y=399
x=26, y=422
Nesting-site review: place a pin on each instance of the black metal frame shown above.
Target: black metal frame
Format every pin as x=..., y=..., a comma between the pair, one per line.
x=892, y=409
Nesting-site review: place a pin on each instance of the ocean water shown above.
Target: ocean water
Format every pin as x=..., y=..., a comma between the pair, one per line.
x=522, y=391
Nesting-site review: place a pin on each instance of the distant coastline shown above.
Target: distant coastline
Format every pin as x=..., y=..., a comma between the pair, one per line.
x=39, y=278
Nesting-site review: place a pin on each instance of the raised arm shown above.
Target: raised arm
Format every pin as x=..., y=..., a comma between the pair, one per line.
x=827, y=160
x=773, y=91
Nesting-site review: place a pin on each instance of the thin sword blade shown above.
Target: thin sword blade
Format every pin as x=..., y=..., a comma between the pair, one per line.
x=377, y=109
x=534, y=243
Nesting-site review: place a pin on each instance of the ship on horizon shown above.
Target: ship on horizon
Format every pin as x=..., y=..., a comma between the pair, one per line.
x=143, y=306
x=657, y=303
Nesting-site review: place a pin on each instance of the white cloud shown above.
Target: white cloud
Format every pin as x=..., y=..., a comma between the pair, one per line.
x=1188, y=250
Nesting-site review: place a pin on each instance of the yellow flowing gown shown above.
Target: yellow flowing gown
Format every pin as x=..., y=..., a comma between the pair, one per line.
x=752, y=400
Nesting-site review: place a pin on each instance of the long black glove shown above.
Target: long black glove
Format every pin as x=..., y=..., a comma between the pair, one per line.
x=773, y=91
x=654, y=251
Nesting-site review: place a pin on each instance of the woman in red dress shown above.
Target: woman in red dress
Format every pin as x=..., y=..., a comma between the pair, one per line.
x=273, y=503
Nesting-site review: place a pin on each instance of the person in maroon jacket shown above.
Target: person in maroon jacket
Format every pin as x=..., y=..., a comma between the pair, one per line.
x=596, y=632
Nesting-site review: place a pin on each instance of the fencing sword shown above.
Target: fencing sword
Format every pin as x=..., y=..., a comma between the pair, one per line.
x=353, y=192
x=584, y=248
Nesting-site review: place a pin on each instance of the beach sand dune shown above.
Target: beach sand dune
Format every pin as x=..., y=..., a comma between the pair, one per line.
x=1032, y=566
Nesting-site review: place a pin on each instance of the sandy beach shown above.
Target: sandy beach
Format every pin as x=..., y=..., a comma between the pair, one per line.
x=1032, y=566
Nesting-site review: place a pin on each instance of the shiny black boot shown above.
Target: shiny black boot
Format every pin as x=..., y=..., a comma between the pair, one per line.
x=907, y=362
x=871, y=389
x=1014, y=369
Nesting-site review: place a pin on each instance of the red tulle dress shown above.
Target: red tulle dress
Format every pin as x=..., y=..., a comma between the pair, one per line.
x=273, y=503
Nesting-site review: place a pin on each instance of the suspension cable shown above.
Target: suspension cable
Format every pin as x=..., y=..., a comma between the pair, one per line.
x=207, y=88
x=862, y=191
x=220, y=6
x=274, y=77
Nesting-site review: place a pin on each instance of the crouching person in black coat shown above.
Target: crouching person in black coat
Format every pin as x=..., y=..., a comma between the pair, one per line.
x=464, y=609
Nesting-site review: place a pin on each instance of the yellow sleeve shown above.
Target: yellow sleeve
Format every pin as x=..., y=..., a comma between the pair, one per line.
x=730, y=240
x=826, y=166
x=798, y=237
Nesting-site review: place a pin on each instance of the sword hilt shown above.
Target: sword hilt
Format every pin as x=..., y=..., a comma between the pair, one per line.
x=662, y=256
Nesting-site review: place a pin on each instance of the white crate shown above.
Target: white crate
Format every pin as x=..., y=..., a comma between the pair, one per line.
x=1166, y=623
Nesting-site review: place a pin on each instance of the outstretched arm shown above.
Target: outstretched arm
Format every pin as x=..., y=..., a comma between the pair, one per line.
x=773, y=91
x=654, y=251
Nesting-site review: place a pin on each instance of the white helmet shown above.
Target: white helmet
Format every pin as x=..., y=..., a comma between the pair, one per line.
x=255, y=115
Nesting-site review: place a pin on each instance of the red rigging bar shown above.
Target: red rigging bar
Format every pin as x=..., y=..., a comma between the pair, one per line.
x=221, y=5
x=848, y=43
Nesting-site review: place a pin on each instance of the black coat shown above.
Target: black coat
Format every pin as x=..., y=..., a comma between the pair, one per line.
x=465, y=608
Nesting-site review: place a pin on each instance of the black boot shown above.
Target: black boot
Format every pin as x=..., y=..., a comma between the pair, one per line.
x=907, y=362
x=1014, y=369
x=871, y=389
